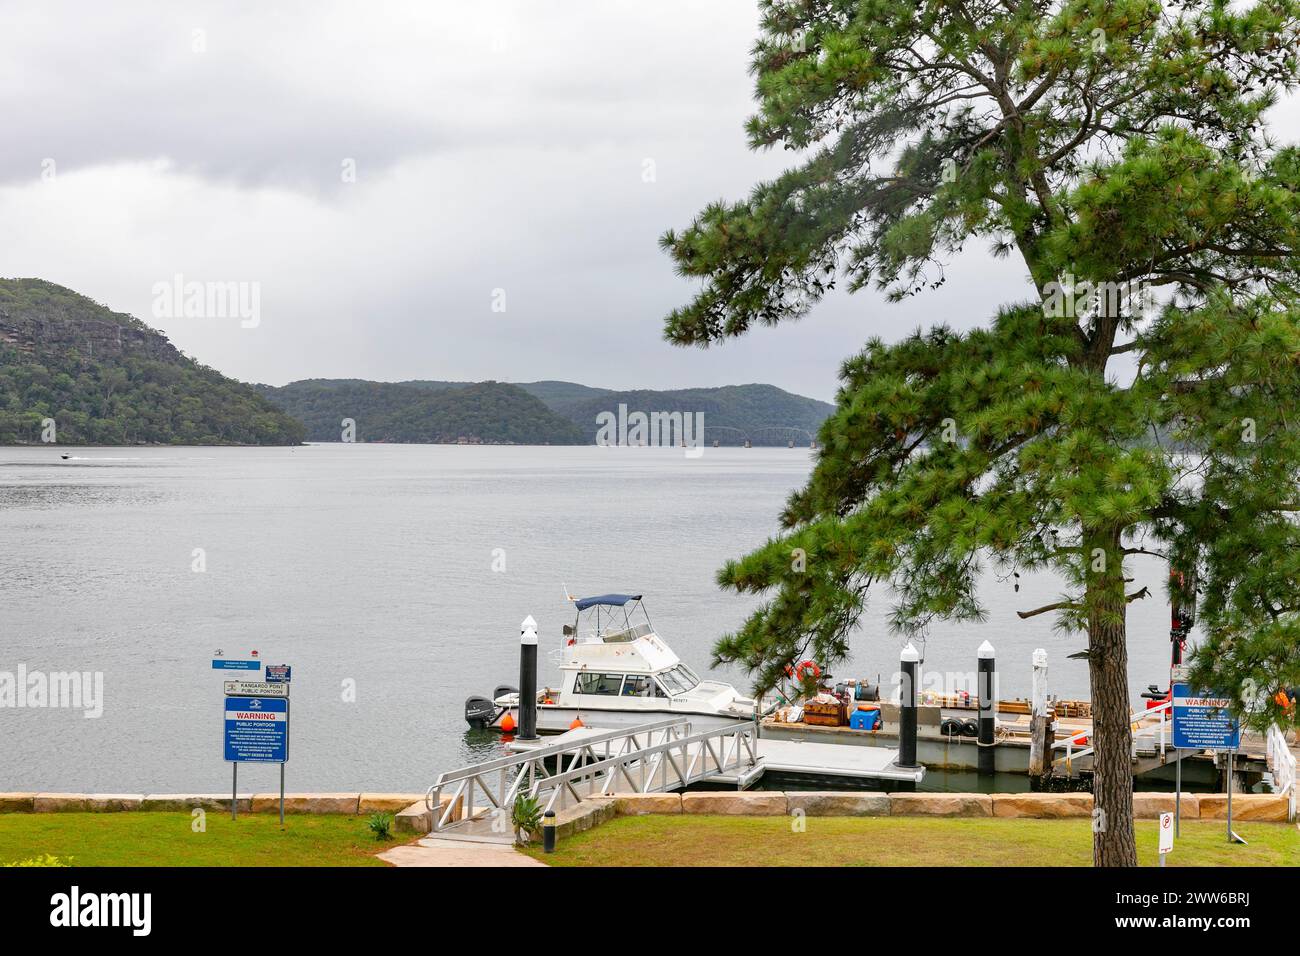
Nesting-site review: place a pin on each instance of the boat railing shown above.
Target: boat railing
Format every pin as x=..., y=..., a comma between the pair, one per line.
x=1282, y=765
x=1159, y=736
x=508, y=774
x=614, y=635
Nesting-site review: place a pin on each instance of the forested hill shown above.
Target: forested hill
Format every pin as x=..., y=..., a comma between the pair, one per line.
x=547, y=412
x=763, y=414
x=106, y=378
x=483, y=412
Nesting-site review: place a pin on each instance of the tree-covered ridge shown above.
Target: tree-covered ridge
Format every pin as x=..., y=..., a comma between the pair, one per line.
x=487, y=412
x=762, y=414
x=106, y=378
x=391, y=411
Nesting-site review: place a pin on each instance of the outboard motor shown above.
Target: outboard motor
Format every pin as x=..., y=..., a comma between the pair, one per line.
x=480, y=712
x=502, y=690
x=1155, y=696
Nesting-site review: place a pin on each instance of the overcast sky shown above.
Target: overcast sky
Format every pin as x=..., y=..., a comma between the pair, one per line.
x=496, y=146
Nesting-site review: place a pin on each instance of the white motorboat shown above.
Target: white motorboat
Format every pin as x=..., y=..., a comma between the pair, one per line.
x=615, y=671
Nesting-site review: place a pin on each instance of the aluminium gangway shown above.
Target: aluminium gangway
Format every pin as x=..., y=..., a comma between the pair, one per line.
x=476, y=802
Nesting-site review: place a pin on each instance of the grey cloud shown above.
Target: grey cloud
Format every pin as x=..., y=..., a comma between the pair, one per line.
x=498, y=145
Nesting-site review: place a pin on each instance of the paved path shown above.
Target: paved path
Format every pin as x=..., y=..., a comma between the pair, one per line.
x=456, y=853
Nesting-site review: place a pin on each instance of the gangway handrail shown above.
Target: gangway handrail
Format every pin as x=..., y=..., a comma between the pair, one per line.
x=1282, y=764
x=1135, y=719
x=553, y=750
x=522, y=769
x=742, y=730
x=651, y=745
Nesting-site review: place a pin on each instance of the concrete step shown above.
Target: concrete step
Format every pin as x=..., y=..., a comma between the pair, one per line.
x=455, y=836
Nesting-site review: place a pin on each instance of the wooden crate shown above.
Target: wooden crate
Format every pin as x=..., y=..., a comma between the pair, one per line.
x=1073, y=708
x=833, y=714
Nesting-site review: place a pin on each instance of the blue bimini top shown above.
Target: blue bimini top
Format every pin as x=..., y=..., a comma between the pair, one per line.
x=612, y=600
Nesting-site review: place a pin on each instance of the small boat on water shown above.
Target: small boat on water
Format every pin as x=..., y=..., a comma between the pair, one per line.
x=615, y=672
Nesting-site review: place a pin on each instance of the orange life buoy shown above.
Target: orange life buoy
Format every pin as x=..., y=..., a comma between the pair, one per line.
x=806, y=667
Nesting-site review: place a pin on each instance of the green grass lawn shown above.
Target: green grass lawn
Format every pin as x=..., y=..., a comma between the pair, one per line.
x=689, y=840
x=167, y=839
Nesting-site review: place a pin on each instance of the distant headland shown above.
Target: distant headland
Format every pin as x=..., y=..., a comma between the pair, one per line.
x=73, y=372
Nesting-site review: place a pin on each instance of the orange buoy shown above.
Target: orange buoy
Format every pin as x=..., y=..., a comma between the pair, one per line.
x=508, y=723
x=577, y=722
x=805, y=668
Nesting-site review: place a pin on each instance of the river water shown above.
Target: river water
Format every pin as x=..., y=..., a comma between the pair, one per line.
x=393, y=579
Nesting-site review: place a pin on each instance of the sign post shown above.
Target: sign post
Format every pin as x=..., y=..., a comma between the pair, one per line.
x=1204, y=722
x=1182, y=618
x=256, y=731
x=256, y=720
x=1178, y=792
x=278, y=676
x=1166, y=835
x=1232, y=760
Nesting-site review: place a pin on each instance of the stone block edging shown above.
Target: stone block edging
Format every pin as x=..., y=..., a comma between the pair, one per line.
x=742, y=803
x=836, y=803
x=345, y=803
x=940, y=804
x=409, y=812
x=218, y=802
x=1042, y=806
x=1149, y=806
x=1261, y=807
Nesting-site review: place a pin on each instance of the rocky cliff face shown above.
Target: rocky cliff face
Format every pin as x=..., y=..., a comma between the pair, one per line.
x=69, y=321
x=34, y=333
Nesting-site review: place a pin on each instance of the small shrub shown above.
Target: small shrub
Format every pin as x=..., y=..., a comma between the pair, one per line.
x=45, y=859
x=381, y=825
x=526, y=816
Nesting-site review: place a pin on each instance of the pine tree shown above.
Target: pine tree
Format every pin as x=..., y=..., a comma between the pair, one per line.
x=1142, y=400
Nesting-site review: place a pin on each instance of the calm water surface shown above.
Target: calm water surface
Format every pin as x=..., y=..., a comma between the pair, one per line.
x=370, y=569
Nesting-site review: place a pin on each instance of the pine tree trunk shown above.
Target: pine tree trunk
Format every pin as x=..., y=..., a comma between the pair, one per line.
x=1112, y=737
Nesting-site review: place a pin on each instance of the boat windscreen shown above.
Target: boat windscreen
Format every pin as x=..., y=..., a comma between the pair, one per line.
x=679, y=679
